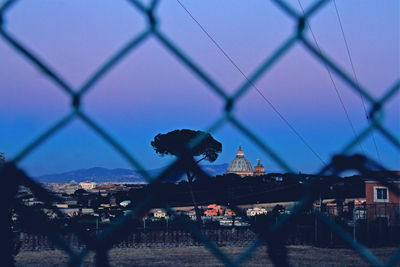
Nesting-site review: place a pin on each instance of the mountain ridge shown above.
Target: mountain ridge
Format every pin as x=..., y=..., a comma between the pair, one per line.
x=101, y=174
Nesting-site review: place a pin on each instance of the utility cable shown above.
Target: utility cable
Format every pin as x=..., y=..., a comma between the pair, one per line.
x=333, y=83
x=253, y=85
x=355, y=77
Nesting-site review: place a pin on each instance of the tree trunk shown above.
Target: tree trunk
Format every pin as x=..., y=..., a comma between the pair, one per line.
x=196, y=208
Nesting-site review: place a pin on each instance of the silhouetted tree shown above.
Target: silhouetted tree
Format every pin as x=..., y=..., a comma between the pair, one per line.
x=176, y=143
x=278, y=209
x=80, y=192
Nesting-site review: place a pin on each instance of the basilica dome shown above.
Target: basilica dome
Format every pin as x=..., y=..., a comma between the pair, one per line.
x=240, y=165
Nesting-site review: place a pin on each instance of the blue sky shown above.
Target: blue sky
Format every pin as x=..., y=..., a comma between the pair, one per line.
x=150, y=91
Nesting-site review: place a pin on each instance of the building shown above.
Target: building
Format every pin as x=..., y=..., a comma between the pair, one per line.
x=382, y=197
x=242, y=166
x=71, y=212
x=191, y=213
x=259, y=169
x=158, y=213
x=104, y=189
x=87, y=185
x=229, y=212
x=256, y=211
x=377, y=192
x=214, y=210
x=125, y=203
x=63, y=188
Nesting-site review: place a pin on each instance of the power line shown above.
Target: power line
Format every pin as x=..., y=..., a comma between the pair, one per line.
x=355, y=77
x=333, y=83
x=253, y=85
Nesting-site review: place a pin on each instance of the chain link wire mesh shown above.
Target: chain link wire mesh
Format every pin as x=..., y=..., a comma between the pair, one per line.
x=12, y=176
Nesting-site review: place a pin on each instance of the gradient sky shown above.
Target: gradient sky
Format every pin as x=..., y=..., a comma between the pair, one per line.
x=150, y=91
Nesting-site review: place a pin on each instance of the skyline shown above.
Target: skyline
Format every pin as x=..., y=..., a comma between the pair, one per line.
x=132, y=99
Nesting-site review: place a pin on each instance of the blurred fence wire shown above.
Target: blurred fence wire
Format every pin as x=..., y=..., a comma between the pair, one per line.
x=272, y=235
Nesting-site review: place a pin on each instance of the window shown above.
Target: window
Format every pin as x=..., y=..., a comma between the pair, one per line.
x=381, y=194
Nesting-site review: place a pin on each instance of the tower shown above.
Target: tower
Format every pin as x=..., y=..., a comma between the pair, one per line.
x=259, y=168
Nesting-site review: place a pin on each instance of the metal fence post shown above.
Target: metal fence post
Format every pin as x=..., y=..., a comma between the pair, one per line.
x=354, y=223
x=102, y=256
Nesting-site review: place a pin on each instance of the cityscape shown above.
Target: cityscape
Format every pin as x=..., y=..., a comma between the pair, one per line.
x=200, y=133
x=99, y=204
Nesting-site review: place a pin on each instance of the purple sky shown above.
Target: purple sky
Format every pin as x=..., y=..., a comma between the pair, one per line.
x=151, y=91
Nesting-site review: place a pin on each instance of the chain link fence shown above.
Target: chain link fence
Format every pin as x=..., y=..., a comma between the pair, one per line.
x=13, y=177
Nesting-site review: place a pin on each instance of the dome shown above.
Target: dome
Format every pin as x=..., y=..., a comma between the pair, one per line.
x=259, y=168
x=240, y=165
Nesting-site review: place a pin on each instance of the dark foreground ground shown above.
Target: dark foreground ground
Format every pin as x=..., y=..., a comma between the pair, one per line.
x=200, y=256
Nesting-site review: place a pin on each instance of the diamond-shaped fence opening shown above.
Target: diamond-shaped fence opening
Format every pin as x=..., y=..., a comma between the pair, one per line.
x=272, y=235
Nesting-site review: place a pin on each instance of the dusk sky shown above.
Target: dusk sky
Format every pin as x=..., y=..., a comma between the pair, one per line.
x=151, y=91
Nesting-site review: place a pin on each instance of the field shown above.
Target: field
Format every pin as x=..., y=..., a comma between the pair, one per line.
x=199, y=256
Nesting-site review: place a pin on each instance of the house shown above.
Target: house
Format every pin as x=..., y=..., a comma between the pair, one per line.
x=379, y=193
x=71, y=212
x=191, y=213
x=229, y=212
x=158, y=213
x=213, y=210
x=382, y=197
x=256, y=211
x=125, y=203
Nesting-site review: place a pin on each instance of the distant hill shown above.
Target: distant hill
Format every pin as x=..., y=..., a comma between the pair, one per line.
x=101, y=175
